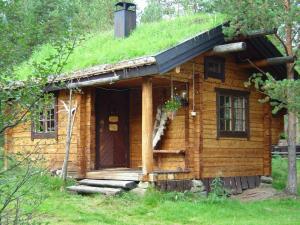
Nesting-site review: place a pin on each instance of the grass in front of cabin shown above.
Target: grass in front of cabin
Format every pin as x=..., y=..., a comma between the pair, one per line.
x=167, y=208
x=279, y=173
x=147, y=39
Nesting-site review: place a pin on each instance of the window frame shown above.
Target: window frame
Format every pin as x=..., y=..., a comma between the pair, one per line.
x=232, y=94
x=48, y=135
x=212, y=74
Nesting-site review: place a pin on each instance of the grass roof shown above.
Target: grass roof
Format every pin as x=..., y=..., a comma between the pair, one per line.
x=146, y=39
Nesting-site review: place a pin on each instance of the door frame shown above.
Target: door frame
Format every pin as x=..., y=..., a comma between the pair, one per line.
x=97, y=105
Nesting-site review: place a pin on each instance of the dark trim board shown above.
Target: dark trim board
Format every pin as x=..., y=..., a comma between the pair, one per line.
x=234, y=185
x=189, y=49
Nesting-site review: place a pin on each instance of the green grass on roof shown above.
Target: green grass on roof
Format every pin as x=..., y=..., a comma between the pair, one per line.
x=147, y=39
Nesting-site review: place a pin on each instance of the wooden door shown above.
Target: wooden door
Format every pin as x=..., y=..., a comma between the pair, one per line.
x=112, y=131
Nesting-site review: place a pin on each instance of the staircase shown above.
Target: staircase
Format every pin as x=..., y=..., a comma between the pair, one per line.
x=105, y=187
x=160, y=124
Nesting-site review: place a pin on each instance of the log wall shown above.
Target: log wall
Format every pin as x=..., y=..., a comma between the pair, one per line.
x=205, y=155
x=52, y=150
x=225, y=157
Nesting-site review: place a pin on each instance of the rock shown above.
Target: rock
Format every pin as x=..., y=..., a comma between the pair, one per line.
x=197, y=186
x=83, y=189
x=266, y=180
x=139, y=191
x=197, y=189
x=144, y=185
x=197, y=183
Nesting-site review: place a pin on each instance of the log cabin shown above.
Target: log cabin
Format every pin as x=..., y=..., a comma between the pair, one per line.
x=123, y=132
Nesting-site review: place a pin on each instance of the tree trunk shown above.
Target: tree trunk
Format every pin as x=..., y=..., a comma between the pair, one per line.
x=68, y=140
x=291, y=187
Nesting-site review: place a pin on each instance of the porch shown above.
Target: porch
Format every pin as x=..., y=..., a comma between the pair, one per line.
x=123, y=116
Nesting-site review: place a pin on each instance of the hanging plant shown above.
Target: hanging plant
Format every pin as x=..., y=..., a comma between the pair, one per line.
x=172, y=106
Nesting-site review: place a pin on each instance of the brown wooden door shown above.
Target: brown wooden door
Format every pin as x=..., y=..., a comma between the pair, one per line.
x=112, y=131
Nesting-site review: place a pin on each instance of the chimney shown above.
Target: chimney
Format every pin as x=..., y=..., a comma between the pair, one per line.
x=125, y=19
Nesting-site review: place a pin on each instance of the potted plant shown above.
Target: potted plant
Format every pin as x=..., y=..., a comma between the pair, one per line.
x=172, y=106
x=282, y=139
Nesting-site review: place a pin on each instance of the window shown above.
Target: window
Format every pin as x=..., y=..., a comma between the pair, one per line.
x=232, y=113
x=45, y=126
x=214, y=67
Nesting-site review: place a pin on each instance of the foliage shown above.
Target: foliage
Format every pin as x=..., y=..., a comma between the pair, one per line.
x=25, y=24
x=152, y=13
x=218, y=192
x=277, y=91
x=21, y=101
x=102, y=48
x=17, y=199
x=159, y=9
x=172, y=105
x=283, y=136
x=94, y=15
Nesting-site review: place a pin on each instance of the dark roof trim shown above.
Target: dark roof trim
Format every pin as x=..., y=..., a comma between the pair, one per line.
x=189, y=49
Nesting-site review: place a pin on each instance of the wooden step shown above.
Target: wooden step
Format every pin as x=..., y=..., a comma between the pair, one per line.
x=83, y=189
x=109, y=183
x=113, y=176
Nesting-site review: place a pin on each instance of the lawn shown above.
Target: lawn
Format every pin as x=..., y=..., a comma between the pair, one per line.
x=167, y=208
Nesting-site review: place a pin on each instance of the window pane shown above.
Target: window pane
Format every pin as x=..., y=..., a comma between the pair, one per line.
x=222, y=125
x=46, y=120
x=239, y=114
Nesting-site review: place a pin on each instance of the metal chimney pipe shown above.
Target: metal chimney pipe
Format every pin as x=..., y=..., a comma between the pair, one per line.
x=125, y=19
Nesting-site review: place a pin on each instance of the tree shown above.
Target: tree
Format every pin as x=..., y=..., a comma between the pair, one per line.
x=249, y=15
x=71, y=111
x=25, y=24
x=153, y=12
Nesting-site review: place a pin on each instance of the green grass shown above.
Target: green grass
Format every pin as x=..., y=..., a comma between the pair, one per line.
x=167, y=208
x=279, y=173
x=147, y=39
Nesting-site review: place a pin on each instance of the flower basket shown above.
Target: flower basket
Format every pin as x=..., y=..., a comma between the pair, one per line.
x=171, y=107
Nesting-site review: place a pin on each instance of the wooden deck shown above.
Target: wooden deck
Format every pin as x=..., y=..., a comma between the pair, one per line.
x=115, y=174
x=129, y=174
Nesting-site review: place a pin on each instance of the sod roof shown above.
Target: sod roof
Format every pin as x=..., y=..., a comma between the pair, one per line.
x=146, y=40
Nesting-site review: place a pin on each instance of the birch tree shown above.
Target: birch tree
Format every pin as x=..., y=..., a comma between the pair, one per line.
x=71, y=113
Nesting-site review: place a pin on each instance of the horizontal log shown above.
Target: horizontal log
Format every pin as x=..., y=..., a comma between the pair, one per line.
x=102, y=80
x=269, y=62
x=255, y=33
x=232, y=47
x=168, y=151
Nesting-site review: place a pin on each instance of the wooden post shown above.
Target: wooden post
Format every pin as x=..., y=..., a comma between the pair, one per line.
x=147, y=126
x=82, y=118
x=267, y=135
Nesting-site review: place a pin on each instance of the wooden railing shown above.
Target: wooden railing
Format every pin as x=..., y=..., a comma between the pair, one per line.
x=283, y=150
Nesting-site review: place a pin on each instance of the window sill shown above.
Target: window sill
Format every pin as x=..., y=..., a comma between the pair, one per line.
x=233, y=134
x=43, y=136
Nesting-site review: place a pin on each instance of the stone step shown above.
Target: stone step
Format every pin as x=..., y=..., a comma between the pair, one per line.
x=109, y=183
x=83, y=189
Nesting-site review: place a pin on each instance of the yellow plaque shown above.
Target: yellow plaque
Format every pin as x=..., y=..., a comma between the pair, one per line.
x=113, y=119
x=113, y=127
